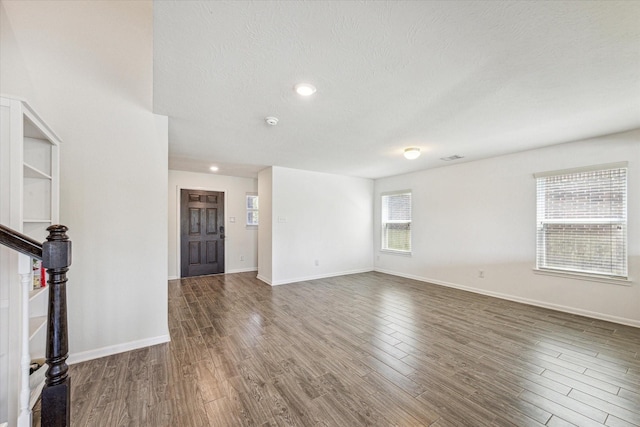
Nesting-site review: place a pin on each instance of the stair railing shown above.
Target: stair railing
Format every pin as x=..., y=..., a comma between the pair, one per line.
x=55, y=254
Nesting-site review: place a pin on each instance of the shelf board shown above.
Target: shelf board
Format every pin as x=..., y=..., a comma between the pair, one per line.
x=35, y=324
x=35, y=221
x=31, y=172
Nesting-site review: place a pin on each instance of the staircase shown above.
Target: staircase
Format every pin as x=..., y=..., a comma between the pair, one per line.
x=55, y=254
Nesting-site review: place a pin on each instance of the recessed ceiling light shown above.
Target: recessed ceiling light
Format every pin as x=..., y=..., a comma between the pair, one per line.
x=412, y=153
x=214, y=169
x=305, y=89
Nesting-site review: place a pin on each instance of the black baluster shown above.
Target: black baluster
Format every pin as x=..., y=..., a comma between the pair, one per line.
x=56, y=401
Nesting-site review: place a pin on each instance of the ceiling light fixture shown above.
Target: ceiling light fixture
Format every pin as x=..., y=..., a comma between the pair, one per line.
x=214, y=169
x=305, y=89
x=411, y=153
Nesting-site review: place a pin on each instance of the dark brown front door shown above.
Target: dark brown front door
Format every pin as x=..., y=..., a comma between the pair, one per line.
x=201, y=232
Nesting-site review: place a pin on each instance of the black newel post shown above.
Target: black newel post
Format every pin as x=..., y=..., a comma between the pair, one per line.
x=56, y=258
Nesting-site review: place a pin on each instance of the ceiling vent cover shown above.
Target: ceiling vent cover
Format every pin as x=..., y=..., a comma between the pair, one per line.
x=450, y=158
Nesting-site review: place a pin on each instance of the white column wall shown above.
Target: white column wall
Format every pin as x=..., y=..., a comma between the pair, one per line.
x=265, y=229
x=321, y=225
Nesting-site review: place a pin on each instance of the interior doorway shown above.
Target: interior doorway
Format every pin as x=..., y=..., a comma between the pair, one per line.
x=201, y=232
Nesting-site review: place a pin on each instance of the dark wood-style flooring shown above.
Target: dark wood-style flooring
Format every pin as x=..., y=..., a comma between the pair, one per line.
x=363, y=349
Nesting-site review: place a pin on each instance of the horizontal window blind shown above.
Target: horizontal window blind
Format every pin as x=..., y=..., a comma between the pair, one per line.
x=396, y=222
x=582, y=222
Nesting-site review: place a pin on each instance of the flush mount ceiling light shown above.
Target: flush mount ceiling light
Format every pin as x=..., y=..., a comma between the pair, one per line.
x=305, y=89
x=411, y=153
x=214, y=169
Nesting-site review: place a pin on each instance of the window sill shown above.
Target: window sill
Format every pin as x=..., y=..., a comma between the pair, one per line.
x=584, y=276
x=392, y=252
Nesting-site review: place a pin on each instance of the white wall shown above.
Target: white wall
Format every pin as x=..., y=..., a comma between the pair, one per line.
x=323, y=217
x=265, y=229
x=481, y=216
x=240, y=240
x=87, y=68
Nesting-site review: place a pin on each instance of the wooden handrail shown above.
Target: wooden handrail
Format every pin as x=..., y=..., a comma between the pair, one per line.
x=20, y=242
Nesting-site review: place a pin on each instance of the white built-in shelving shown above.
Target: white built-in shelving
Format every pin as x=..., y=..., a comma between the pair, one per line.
x=29, y=203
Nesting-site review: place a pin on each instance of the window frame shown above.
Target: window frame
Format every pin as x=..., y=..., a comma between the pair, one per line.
x=383, y=223
x=579, y=272
x=250, y=210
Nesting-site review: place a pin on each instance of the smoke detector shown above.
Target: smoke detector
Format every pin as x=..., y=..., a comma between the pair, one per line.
x=271, y=121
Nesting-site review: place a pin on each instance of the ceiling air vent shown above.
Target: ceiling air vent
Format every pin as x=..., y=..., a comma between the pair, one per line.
x=454, y=157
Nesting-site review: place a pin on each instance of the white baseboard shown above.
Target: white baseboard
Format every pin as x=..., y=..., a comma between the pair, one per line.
x=242, y=270
x=264, y=279
x=115, y=349
x=173, y=277
x=537, y=303
x=316, y=277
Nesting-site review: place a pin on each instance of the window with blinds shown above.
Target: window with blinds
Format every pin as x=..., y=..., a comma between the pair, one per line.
x=582, y=220
x=396, y=221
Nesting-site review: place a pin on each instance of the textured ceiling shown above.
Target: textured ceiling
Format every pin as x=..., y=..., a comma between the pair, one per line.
x=477, y=79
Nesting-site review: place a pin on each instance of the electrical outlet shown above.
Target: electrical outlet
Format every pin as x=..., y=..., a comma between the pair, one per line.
x=481, y=274
x=241, y=257
x=317, y=263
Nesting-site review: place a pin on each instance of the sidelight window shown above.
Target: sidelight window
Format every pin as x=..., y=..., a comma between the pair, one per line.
x=252, y=209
